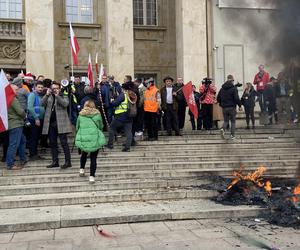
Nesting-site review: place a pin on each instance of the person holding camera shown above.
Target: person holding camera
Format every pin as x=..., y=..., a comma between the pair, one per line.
x=57, y=123
x=228, y=98
x=208, y=94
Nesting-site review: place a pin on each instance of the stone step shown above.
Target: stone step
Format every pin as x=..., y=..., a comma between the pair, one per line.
x=106, y=163
x=69, y=176
x=60, y=199
x=38, y=218
x=185, y=152
x=83, y=186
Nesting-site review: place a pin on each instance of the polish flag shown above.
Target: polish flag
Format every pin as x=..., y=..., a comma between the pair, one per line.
x=96, y=65
x=74, y=45
x=102, y=72
x=7, y=95
x=187, y=90
x=90, y=72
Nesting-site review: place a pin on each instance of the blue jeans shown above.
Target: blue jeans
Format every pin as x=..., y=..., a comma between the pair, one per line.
x=17, y=141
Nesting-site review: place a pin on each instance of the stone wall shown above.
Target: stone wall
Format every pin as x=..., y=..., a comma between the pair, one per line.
x=155, y=46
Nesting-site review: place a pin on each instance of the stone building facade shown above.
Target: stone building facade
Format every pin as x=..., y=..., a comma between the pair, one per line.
x=188, y=38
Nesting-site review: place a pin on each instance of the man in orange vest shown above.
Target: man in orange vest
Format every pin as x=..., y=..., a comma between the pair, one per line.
x=152, y=102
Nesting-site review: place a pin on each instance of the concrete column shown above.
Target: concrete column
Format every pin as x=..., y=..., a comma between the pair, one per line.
x=119, y=38
x=191, y=39
x=39, y=37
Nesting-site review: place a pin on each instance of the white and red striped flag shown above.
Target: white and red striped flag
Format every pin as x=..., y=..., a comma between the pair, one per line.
x=7, y=95
x=90, y=72
x=74, y=45
x=96, y=65
x=102, y=72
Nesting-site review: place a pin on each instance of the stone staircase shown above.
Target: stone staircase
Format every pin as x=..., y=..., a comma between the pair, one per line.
x=156, y=181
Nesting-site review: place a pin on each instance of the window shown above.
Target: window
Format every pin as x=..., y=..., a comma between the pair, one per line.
x=145, y=12
x=11, y=9
x=79, y=11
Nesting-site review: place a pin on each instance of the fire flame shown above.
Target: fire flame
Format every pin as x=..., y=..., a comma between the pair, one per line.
x=255, y=177
x=296, y=193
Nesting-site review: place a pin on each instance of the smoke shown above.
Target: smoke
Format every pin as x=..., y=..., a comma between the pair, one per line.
x=286, y=42
x=276, y=32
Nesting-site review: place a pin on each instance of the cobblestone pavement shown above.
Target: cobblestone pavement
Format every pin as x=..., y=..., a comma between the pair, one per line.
x=215, y=234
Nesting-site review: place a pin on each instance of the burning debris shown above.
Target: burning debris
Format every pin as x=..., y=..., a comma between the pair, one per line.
x=278, y=197
x=247, y=189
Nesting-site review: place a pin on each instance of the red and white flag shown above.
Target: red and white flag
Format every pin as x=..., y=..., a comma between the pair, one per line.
x=188, y=92
x=102, y=72
x=74, y=45
x=7, y=95
x=96, y=65
x=90, y=72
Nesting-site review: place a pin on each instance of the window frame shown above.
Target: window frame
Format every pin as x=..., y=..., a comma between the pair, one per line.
x=8, y=10
x=79, y=14
x=144, y=4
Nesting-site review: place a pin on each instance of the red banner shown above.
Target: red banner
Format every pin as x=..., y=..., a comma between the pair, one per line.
x=188, y=92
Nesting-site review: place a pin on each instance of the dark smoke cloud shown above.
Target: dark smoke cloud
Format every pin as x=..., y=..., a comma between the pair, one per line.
x=279, y=38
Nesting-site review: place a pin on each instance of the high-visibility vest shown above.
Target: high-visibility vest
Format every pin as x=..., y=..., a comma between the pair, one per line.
x=150, y=100
x=123, y=107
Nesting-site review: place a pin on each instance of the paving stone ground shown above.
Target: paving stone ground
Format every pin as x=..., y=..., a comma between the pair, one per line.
x=172, y=235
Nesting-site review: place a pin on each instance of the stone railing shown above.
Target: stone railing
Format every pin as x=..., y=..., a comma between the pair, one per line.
x=12, y=29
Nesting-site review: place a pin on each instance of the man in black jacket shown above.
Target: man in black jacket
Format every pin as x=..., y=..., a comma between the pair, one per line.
x=228, y=98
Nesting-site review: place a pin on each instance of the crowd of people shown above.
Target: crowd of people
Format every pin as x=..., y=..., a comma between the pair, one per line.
x=44, y=110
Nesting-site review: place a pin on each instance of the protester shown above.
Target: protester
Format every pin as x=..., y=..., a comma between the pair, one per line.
x=57, y=123
x=121, y=117
x=17, y=140
x=105, y=96
x=192, y=117
x=169, y=105
x=181, y=102
x=261, y=79
x=36, y=114
x=89, y=136
x=28, y=82
x=21, y=93
x=248, y=101
x=152, y=105
x=207, y=99
x=282, y=89
x=270, y=101
x=228, y=98
x=139, y=119
x=79, y=89
x=90, y=94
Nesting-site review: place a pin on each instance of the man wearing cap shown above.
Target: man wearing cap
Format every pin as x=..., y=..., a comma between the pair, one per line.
x=28, y=80
x=169, y=104
x=21, y=93
x=121, y=118
x=152, y=103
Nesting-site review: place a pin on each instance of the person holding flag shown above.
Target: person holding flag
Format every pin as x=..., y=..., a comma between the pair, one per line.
x=15, y=121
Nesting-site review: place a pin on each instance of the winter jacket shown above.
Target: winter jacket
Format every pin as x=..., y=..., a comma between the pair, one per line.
x=35, y=109
x=79, y=91
x=16, y=115
x=105, y=93
x=248, y=98
x=261, y=80
x=269, y=96
x=92, y=96
x=208, y=94
x=89, y=136
x=115, y=90
x=123, y=117
x=163, y=93
x=228, y=96
x=62, y=118
x=278, y=87
x=22, y=96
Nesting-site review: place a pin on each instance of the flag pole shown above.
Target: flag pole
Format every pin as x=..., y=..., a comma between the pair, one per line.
x=71, y=54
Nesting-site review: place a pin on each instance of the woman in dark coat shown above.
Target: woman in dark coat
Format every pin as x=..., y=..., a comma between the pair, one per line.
x=248, y=101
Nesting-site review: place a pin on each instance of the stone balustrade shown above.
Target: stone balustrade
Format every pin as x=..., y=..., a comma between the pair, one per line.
x=12, y=29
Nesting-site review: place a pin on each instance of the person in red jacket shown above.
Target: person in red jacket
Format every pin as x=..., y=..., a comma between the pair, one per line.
x=261, y=80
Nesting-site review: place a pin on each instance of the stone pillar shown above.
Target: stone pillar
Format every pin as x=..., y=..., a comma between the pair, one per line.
x=39, y=37
x=119, y=38
x=191, y=39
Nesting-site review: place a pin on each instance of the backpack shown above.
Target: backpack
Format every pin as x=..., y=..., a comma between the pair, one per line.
x=132, y=107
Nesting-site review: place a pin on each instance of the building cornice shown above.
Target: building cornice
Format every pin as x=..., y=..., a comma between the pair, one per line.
x=80, y=25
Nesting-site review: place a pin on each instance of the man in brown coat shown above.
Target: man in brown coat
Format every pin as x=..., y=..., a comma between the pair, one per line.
x=57, y=123
x=169, y=104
